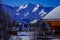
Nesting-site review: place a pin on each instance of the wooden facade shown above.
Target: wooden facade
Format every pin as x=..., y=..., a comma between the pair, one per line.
x=54, y=24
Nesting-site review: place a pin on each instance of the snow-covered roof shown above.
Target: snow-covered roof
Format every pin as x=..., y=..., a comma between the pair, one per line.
x=54, y=14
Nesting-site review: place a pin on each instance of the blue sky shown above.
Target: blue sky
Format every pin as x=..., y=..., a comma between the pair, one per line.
x=46, y=3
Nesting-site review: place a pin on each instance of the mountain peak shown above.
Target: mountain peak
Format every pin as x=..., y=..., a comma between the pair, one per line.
x=22, y=7
x=36, y=6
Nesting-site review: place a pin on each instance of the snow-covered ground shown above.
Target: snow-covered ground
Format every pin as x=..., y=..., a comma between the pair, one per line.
x=23, y=36
x=30, y=36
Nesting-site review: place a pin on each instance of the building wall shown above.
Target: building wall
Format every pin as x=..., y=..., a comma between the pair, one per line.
x=54, y=24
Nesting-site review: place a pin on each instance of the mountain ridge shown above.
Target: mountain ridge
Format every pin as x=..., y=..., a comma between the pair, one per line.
x=12, y=11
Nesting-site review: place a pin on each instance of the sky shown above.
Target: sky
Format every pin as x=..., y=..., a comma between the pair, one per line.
x=46, y=3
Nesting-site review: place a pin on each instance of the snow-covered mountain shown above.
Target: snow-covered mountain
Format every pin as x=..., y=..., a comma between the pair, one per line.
x=31, y=12
x=26, y=13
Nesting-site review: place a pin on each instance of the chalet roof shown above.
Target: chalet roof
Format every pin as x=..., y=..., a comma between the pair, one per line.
x=54, y=14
